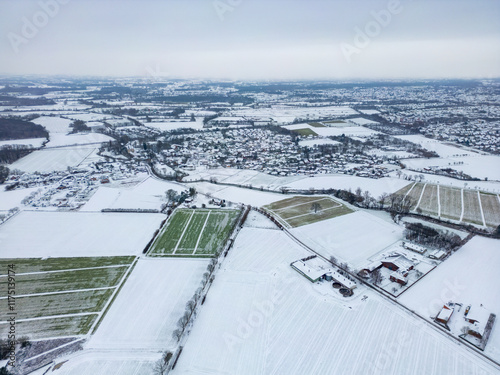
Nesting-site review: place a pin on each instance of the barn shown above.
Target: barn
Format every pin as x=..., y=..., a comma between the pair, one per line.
x=478, y=317
x=444, y=315
x=316, y=269
x=399, y=263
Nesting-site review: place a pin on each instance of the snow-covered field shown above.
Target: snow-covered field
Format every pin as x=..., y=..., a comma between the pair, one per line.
x=443, y=150
x=99, y=362
x=149, y=194
x=317, y=141
x=32, y=142
x=362, y=121
x=470, y=276
x=54, y=124
x=49, y=160
x=146, y=311
x=478, y=166
x=58, y=140
x=13, y=198
x=488, y=186
x=173, y=125
x=337, y=181
x=352, y=238
x=73, y=234
x=358, y=131
x=92, y=117
x=375, y=186
x=369, y=111
x=253, y=197
x=286, y=114
x=261, y=317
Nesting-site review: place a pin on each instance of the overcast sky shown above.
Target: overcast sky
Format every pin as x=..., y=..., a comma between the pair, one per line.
x=252, y=39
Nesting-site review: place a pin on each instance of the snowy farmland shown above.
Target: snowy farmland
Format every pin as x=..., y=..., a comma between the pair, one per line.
x=253, y=197
x=462, y=205
x=62, y=234
x=336, y=181
x=159, y=289
x=57, y=159
x=298, y=211
x=354, y=131
x=352, y=238
x=470, y=276
x=59, y=140
x=54, y=124
x=261, y=317
x=147, y=194
x=375, y=186
x=31, y=142
x=60, y=296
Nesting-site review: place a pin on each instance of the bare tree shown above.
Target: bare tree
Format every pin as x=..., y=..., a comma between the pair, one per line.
x=160, y=367
x=367, y=198
x=333, y=260
x=171, y=195
x=381, y=200
x=315, y=207
x=177, y=334
x=345, y=267
x=376, y=276
x=197, y=295
x=183, y=321
x=190, y=305
x=204, y=279
x=283, y=189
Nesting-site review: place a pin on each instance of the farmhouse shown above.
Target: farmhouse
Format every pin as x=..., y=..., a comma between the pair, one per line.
x=398, y=262
x=444, y=315
x=478, y=317
x=316, y=269
x=365, y=272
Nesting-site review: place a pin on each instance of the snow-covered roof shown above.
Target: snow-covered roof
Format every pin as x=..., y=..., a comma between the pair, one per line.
x=414, y=247
x=478, y=314
x=399, y=276
x=315, y=268
x=445, y=314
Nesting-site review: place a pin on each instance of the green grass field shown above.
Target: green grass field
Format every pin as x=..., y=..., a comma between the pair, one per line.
x=335, y=122
x=46, y=288
x=298, y=211
x=198, y=233
x=53, y=327
x=305, y=132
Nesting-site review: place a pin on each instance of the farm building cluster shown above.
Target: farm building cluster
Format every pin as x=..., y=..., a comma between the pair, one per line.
x=400, y=267
x=474, y=325
x=316, y=269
